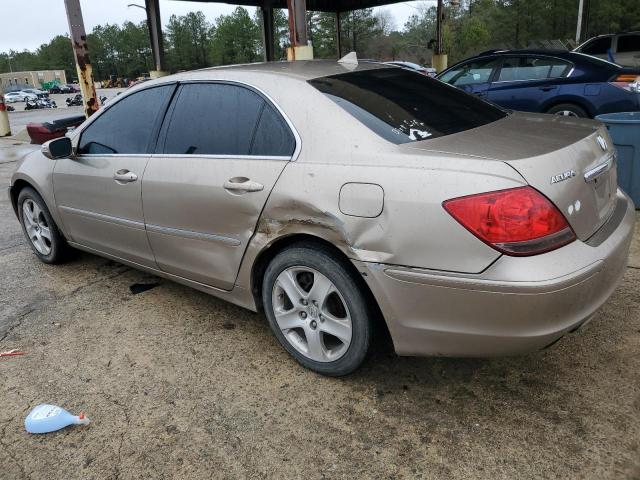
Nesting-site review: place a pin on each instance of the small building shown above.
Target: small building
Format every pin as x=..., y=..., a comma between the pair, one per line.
x=34, y=79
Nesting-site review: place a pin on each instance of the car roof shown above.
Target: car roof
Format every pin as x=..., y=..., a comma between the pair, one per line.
x=574, y=57
x=302, y=69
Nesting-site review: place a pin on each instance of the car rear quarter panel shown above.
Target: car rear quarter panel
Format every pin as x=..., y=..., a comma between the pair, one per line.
x=413, y=229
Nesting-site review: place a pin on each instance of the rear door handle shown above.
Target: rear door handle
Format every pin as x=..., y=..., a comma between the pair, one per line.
x=125, y=176
x=242, y=184
x=547, y=89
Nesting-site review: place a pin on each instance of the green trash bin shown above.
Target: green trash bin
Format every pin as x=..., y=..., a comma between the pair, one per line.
x=624, y=128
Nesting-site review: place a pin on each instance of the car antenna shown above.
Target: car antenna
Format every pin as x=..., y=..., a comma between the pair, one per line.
x=350, y=58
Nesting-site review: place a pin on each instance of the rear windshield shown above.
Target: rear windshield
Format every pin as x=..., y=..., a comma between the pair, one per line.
x=403, y=106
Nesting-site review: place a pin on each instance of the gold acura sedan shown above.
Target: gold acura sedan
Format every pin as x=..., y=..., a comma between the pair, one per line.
x=334, y=195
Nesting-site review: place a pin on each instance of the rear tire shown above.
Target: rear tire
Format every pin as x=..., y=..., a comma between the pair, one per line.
x=326, y=301
x=568, y=110
x=41, y=231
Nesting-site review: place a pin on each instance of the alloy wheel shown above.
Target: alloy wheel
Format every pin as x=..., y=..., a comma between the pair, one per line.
x=36, y=227
x=312, y=314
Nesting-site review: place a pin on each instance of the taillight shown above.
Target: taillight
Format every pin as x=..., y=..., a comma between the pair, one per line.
x=519, y=221
x=629, y=82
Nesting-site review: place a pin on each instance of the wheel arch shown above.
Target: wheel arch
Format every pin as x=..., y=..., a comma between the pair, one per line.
x=16, y=188
x=578, y=101
x=267, y=254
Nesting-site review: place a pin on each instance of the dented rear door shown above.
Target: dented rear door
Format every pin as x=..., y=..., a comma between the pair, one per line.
x=220, y=152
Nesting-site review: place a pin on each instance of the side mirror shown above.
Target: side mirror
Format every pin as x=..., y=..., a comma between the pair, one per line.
x=57, y=148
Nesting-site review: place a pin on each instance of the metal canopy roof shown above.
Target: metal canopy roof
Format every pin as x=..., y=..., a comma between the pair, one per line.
x=316, y=5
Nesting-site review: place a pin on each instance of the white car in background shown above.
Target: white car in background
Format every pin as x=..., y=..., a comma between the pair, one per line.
x=36, y=92
x=621, y=48
x=12, y=97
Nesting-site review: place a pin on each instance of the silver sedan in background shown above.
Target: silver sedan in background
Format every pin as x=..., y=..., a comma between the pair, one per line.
x=341, y=197
x=20, y=96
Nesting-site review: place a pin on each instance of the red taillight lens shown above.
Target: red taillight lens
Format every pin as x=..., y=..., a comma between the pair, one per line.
x=519, y=221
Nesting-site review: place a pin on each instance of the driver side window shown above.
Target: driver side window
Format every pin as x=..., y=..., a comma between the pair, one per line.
x=471, y=73
x=127, y=126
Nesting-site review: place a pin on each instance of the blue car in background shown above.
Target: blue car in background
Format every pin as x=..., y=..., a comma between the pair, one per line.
x=548, y=81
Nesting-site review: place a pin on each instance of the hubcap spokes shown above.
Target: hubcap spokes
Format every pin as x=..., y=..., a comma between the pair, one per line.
x=36, y=226
x=566, y=113
x=312, y=314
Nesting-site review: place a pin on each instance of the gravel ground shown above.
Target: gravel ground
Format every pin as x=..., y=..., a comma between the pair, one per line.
x=182, y=385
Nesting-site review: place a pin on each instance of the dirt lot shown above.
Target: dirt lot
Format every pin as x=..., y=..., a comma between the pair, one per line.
x=181, y=385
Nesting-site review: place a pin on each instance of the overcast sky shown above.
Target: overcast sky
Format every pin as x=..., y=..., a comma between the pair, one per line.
x=27, y=24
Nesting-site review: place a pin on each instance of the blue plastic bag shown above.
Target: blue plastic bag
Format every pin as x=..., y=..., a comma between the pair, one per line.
x=49, y=418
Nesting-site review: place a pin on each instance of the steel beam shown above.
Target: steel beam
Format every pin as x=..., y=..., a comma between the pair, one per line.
x=5, y=128
x=338, y=36
x=268, y=33
x=81, y=53
x=297, y=22
x=155, y=33
x=582, y=29
x=439, y=29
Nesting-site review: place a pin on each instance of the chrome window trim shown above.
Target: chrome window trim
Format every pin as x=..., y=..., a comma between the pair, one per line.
x=265, y=95
x=77, y=133
x=184, y=155
x=177, y=232
x=223, y=157
x=128, y=155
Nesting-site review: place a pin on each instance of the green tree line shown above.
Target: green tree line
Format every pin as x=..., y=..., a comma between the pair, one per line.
x=470, y=27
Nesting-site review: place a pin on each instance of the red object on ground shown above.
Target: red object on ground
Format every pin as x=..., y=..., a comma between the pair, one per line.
x=12, y=353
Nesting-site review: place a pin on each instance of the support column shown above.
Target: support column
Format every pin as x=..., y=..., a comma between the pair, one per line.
x=300, y=48
x=268, y=33
x=81, y=53
x=155, y=36
x=5, y=129
x=582, y=29
x=338, y=36
x=439, y=59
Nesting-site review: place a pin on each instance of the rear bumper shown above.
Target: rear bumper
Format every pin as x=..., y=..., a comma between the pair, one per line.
x=518, y=304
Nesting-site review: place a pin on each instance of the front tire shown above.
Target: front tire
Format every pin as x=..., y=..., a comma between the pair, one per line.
x=317, y=310
x=38, y=226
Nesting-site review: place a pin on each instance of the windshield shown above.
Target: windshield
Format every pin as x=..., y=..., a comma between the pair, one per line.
x=403, y=106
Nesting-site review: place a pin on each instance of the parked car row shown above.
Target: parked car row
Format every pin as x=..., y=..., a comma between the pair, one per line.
x=548, y=81
x=621, y=48
x=63, y=88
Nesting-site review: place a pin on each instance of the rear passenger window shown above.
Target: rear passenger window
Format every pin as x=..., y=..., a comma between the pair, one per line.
x=532, y=68
x=223, y=119
x=599, y=46
x=629, y=43
x=273, y=137
x=127, y=126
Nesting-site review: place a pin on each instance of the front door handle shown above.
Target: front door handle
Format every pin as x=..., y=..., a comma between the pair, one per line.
x=242, y=184
x=125, y=176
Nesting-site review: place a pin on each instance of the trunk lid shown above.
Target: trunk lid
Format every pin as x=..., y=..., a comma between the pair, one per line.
x=571, y=161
